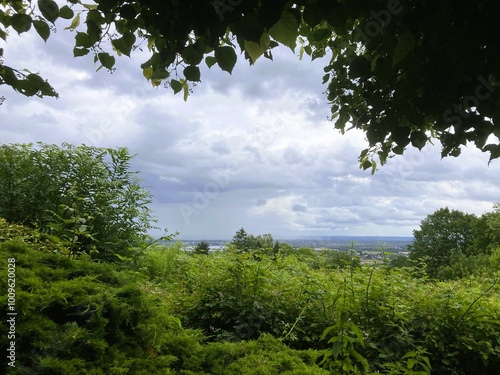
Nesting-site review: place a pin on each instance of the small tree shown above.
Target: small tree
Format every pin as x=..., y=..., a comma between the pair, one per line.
x=240, y=240
x=202, y=248
x=85, y=197
x=442, y=234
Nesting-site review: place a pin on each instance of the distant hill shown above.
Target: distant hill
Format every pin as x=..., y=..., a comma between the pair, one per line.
x=358, y=243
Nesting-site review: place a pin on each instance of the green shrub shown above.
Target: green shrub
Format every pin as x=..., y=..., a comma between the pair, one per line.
x=77, y=316
x=233, y=297
x=84, y=197
x=265, y=356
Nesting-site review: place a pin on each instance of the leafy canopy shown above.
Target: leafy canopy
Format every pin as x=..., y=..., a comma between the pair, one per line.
x=447, y=235
x=403, y=71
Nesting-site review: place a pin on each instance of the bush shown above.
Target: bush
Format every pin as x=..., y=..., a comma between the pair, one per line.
x=77, y=316
x=234, y=297
x=85, y=197
x=265, y=356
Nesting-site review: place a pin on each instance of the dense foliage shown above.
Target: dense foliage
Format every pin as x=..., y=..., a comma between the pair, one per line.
x=76, y=316
x=449, y=239
x=171, y=311
x=403, y=71
x=85, y=197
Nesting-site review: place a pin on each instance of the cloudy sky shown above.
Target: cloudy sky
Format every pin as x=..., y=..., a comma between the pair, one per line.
x=253, y=149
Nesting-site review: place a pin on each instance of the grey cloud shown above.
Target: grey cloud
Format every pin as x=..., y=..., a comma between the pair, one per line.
x=299, y=208
x=220, y=147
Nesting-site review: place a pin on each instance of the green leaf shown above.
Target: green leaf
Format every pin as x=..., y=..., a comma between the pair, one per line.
x=66, y=12
x=106, y=60
x=26, y=88
x=383, y=68
x=125, y=43
x=360, y=358
x=285, y=30
x=405, y=45
x=321, y=35
x=147, y=72
x=176, y=86
x=226, y=58
x=366, y=164
x=82, y=40
x=49, y=9
x=344, y=316
x=374, y=167
x=128, y=11
x=358, y=333
x=21, y=22
x=337, y=14
x=411, y=363
x=327, y=331
x=401, y=135
x=186, y=89
x=493, y=149
x=74, y=23
x=312, y=14
x=90, y=6
x=191, y=55
x=250, y=28
x=210, y=61
x=301, y=52
x=255, y=50
x=9, y=76
x=42, y=29
x=192, y=73
x=418, y=139
x=360, y=66
x=160, y=74
x=337, y=347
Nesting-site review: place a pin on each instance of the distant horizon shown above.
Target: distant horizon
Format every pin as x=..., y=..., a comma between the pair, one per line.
x=310, y=237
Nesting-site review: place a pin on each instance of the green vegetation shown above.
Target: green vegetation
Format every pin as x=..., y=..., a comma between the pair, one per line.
x=171, y=311
x=84, y=197
x=455, y=244
x=396, y=70
x=202, y=248
x=254, y=307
